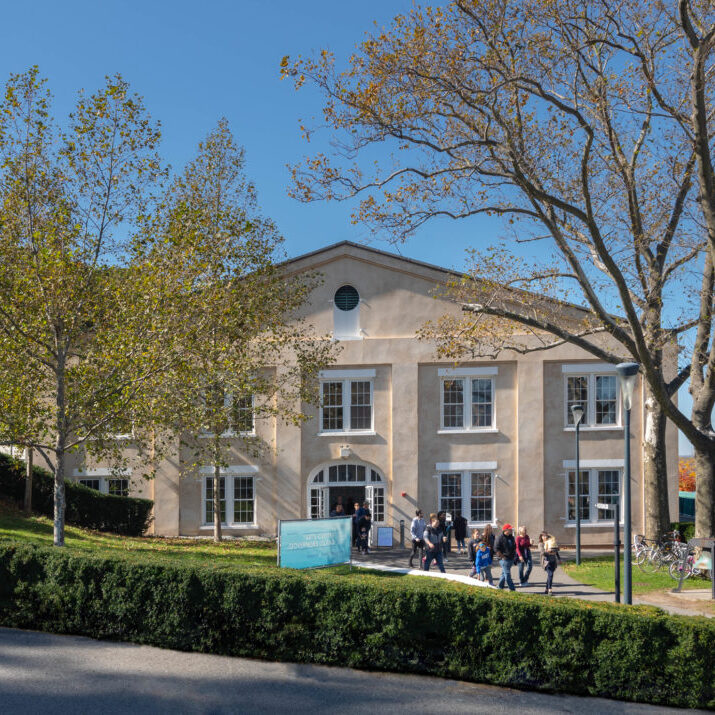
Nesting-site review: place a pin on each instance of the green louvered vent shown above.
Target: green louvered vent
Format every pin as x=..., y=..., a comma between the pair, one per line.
x=346, y=298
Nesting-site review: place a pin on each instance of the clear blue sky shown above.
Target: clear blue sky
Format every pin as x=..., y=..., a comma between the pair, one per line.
x=197, y=61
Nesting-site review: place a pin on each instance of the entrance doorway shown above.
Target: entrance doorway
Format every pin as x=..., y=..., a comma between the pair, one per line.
x=351, y=482
x=347, y=496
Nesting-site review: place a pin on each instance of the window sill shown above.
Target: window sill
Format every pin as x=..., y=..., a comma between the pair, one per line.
x=227, y=435
x=476, y=430
x=593, y=524
x=352, y=433
x=209, y=527
x=595, y=428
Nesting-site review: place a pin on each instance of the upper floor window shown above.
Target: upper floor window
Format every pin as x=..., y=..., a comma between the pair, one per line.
x=467, y=399
x=346, y=401
x=236, y=413
x=596, y=394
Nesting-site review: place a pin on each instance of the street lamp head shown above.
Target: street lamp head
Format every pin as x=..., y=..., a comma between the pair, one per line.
x=577, y=412
x=627, y=373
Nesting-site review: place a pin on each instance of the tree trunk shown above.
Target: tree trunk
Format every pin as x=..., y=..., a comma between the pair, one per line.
x=704, y=492
x=217, y=503
x=59, y=526
x=28, y=482
x=655, y=470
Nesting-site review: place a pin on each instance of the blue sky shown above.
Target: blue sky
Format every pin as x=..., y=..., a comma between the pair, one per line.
x=195, y=62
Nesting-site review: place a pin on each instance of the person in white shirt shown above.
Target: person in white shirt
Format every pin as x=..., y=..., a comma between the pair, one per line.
x=417, y=531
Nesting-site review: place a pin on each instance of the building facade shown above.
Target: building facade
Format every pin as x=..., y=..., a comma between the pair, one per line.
x=490, y=439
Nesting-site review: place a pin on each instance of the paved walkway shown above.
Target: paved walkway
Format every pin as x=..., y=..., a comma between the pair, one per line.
x=458, y=567
x=54, y=675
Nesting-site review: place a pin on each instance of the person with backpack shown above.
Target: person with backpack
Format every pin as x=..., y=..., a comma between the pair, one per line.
x=505, y=550
x=433, y=543
x=483, y=563
x=550, y=559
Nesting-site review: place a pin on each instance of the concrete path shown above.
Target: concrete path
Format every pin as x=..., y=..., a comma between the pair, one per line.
x=50, y=674
x=458, y=567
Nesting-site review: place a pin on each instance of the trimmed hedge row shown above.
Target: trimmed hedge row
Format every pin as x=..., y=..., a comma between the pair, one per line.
x=84, y=506
x=402, y=625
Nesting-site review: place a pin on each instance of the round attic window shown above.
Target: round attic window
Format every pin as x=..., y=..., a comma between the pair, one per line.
x=346, y=298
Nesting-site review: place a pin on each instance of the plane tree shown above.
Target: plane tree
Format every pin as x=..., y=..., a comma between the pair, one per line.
x=586, y=126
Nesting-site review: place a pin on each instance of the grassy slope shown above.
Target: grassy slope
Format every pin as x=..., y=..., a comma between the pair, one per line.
x=598, y=572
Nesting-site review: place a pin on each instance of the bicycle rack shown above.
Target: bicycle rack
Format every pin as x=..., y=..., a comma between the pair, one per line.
x=705, y=544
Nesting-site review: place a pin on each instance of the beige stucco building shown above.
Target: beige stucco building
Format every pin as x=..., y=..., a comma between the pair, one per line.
x=490, y=439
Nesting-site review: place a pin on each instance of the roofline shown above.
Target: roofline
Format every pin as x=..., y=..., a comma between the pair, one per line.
x=415, y=262
x=377, y=251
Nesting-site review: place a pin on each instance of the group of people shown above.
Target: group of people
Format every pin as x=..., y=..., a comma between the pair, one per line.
x=362, y=522
x=483, y=548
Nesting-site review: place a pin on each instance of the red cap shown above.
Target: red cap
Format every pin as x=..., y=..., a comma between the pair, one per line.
x=505, y=527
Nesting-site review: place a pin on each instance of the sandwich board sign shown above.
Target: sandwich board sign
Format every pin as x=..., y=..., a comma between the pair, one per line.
x=313, y=543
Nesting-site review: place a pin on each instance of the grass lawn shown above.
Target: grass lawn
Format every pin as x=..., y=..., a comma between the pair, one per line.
x=229, y=554
x=598, y=572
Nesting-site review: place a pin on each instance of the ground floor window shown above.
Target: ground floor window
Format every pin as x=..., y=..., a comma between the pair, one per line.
x=237, y=500
x=596, y=486
x=469, y=494
x=118, y=487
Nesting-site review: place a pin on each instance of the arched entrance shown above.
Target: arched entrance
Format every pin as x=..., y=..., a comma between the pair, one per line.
x=346, y=482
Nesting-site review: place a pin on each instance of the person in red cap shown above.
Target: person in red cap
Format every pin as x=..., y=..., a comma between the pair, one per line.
x=505, y=550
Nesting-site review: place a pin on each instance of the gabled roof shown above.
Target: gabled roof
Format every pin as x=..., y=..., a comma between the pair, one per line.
x=376, y=251
x=350, y=246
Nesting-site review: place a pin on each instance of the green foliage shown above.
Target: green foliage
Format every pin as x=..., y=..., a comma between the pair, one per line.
x=403, y=625
x=686, y=529
x=85, y=507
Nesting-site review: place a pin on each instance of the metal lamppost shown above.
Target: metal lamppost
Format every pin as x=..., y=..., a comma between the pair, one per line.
x=577, y=412
x=627, y=374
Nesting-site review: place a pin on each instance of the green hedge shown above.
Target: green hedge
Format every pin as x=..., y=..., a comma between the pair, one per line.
x=84, y=506
x=395, y=624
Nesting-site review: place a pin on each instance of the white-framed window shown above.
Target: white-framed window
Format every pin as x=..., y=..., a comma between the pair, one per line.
x=113, y=485
x=597, y=486
x=346, y=401
x=468, y=490
x=237, y=495
x=241, y=417
x=595, y=389
x=467, y=399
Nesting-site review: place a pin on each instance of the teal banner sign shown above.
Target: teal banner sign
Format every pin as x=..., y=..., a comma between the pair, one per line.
x=311, y=543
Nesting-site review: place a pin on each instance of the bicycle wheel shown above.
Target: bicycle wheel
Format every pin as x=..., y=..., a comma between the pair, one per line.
x=676, y=568
x=652, y=562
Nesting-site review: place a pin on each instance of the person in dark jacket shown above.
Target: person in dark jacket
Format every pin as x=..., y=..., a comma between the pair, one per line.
x=433, y=536
x=364, y=526
x=505, y=551
x=472, y=549
x=460, y=533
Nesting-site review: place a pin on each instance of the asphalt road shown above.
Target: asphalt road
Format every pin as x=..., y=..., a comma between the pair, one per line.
x=44, y=673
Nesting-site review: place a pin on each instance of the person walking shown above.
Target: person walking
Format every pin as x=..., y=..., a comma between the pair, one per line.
x=505, y=550
x=483, y=563
x=460, y=533
x=550, y=559
x=364, y=526
x=523, y=551
x=433, y=536
x=417, y=531
x=472, y=545
x=488, y=536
